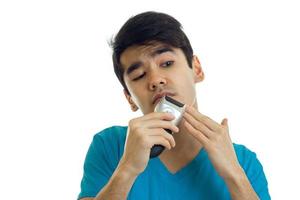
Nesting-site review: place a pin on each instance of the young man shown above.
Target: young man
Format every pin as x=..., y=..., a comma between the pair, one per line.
x=152, y=58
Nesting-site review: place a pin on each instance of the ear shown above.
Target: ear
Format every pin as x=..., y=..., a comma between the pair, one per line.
x=197, y=69
x=130, y=101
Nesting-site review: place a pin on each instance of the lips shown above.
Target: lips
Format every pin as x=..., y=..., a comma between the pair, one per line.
x=156, y=98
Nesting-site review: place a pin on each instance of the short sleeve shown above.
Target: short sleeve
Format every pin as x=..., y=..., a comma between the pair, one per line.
x=254, y=171
x=101, y=160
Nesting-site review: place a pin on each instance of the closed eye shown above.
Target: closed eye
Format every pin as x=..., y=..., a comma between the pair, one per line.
x=167, y=64
x=139, y=77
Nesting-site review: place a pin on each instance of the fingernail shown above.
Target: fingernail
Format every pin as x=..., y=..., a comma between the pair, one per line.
x=171, y=115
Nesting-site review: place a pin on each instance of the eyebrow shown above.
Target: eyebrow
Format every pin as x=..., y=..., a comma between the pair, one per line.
x=157, y=52
x=133, y=67
x=162, y=50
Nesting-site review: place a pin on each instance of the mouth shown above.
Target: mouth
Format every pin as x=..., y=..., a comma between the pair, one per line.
x=156, y=98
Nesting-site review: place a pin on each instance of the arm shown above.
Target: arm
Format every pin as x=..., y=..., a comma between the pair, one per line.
x=239, y=186
x=131, y=166
x=142, y=134
x=216, y=140
x=118, y=186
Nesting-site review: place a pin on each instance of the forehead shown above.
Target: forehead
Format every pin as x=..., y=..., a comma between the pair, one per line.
x=138, y=52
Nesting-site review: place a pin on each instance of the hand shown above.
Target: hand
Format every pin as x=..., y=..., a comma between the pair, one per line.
x=215, y=139
x=143, y=133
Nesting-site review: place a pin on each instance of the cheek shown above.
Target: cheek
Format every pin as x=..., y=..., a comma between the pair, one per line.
x=184, y=80
x=131, y=87
x=185, y=88
x=138, y=94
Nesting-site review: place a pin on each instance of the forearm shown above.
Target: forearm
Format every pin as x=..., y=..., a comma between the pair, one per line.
x=240, y=187
x=118, y=186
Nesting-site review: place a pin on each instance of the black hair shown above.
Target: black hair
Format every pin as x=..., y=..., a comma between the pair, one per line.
x=145, y=28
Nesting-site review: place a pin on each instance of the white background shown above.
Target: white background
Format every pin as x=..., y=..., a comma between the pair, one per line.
x=58, y=88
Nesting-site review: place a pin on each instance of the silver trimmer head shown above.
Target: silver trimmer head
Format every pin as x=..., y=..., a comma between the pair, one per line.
x=170, y=105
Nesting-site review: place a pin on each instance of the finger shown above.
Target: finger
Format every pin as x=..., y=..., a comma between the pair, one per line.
x=164, y=133
x=225, y=123
x=158, y=139
x=161, y=124
x=158, y=115
x=197, y=134
x=211, y=124
x=198, y=125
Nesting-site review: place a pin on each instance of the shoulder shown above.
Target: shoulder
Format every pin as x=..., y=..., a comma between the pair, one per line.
x=249, y=161
x=243, y=153
x=102, y=159
x=111, y=138
x=253, y=169
x=108, y=144
x=111, y=133
x=242, y=150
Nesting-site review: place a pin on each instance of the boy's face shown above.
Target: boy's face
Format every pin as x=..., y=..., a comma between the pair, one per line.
x=154, y=70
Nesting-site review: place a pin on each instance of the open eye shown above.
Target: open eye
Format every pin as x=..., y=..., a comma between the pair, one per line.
x=167, y=64
x=139, y=77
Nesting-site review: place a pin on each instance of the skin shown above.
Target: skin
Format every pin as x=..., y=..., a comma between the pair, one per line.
x=196, y=130
x=160, y=75
x=169, y=71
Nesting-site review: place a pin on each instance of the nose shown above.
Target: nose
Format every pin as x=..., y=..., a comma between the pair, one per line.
x=156, y=81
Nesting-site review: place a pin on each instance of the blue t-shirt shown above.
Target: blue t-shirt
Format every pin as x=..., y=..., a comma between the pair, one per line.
x=197, y=180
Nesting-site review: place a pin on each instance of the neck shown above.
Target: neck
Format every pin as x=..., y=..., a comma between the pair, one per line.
x=186, y=144
x=186, y=149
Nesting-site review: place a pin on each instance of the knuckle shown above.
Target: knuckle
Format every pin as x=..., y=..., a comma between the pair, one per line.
x=205, y=119
x=199, y=126
x=165, y=115
x=169, y=137
x=173, y=141
x=167, y=144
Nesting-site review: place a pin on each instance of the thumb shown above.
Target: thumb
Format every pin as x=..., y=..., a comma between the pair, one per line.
x=225, y=122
